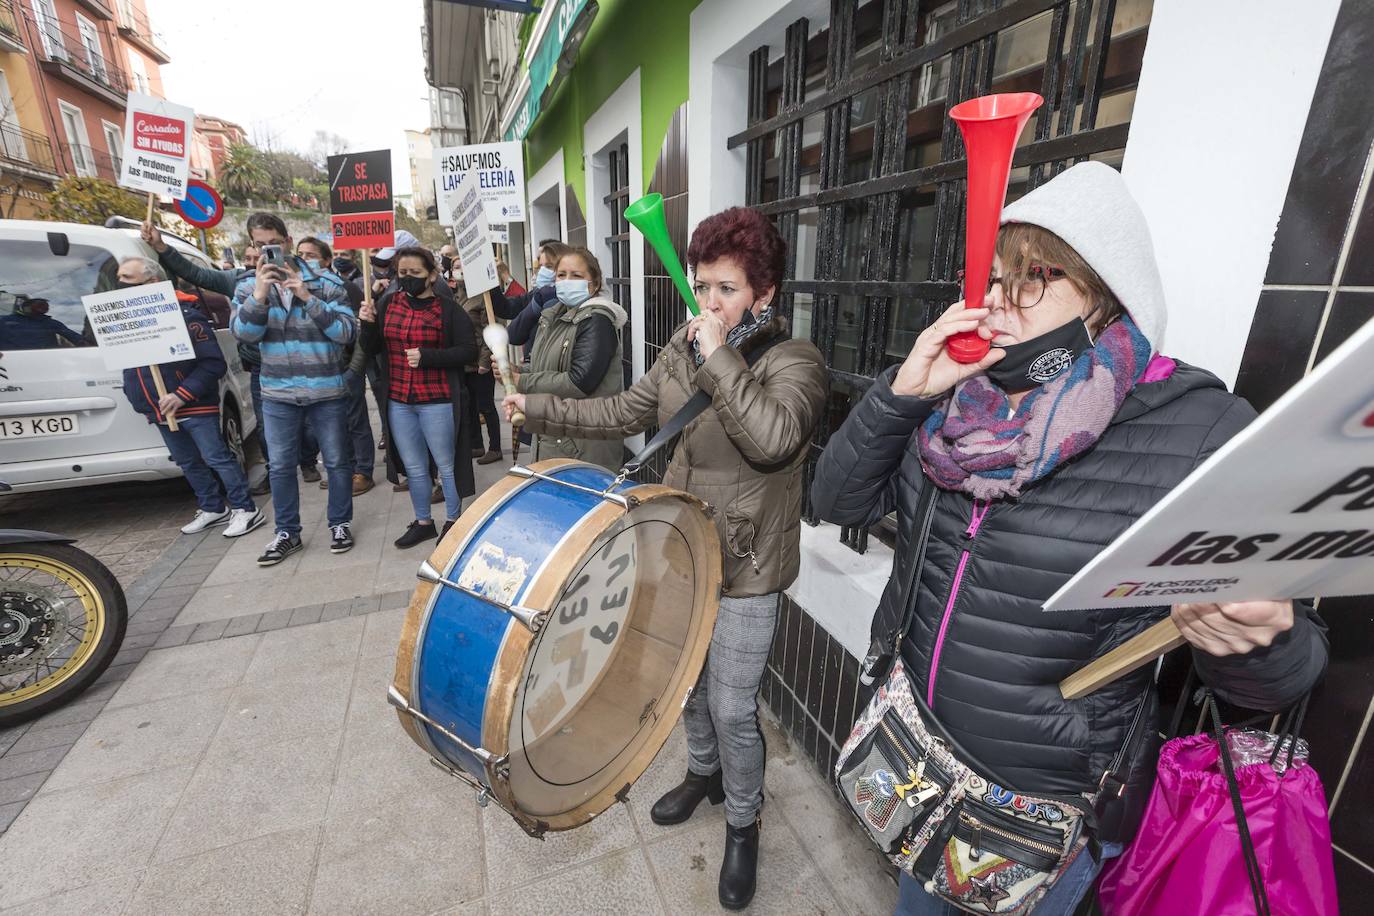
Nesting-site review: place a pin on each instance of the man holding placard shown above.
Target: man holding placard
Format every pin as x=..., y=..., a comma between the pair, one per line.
x=136, y=327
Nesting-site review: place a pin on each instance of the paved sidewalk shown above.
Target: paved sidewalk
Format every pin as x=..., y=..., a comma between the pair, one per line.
x=250, y=764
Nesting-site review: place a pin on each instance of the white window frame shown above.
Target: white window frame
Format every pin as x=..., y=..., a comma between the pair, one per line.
x=83, y=159
x=45, y=15
x=12, y=145
x=114, y=142
x=90, y=43
x=139, y=71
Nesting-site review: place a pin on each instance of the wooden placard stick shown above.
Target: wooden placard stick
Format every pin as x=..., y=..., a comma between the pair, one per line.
x=152, y=201
x=1133, y=653
x=161, y=387
x=498, y=342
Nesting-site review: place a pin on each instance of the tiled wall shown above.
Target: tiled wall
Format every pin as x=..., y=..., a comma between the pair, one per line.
x=1318, y=290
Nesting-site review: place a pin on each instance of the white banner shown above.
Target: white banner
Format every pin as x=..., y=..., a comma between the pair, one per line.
x=499, y=175
x=157, y=146
x=139, y=326
x=1283, y=510
x=469, y=221
x=499, y=234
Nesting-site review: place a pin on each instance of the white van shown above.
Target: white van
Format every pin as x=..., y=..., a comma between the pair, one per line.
x=65, y=420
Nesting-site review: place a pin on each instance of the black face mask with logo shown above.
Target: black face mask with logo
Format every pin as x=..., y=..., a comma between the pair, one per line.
x=1042, y=359
x=414, y=287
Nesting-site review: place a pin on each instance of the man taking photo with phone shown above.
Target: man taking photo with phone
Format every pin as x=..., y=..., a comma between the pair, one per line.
x=301, y=328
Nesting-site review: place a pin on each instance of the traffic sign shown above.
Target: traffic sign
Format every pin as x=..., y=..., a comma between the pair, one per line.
x=202, y=206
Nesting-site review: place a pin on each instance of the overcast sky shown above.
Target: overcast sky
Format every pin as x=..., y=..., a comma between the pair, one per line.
x=284, y=69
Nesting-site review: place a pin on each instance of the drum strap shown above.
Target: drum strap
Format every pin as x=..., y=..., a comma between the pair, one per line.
x=689, y=412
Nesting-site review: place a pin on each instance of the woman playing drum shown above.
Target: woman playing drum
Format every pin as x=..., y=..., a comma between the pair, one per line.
x=744, y=456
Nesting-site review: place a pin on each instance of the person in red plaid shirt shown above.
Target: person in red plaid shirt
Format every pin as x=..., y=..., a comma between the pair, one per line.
x=425, y=340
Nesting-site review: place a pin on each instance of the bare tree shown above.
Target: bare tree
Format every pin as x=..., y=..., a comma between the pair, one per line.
x=323, y=145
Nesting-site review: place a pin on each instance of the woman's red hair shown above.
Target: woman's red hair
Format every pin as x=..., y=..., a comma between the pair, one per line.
x=746, y=237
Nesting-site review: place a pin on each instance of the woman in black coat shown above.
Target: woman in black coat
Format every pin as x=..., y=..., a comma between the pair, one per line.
x=425, y=340
x=1023, y=467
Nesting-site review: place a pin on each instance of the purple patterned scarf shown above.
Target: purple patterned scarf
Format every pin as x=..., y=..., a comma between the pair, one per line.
x=972, y=442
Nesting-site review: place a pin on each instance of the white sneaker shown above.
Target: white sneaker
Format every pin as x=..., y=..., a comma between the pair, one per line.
x=242, y=521
x=204, y=520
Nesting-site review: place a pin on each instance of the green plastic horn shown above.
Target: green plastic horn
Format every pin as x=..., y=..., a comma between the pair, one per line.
x=646, y=214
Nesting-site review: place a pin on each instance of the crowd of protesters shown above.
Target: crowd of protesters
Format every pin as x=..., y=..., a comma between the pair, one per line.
x=314, y=339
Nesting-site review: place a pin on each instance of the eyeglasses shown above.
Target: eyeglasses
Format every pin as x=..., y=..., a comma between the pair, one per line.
x=1028, y=292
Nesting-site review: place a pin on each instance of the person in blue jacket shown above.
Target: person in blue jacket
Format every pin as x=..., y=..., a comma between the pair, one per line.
x=192, y=398
x=30, y=327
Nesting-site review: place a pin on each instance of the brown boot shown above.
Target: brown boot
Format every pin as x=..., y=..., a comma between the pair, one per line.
x=361, y=484
x=490, y=457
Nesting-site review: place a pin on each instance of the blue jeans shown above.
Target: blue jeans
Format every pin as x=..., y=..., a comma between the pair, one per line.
x=1062, y=900
x=284, y=423
x=309, y=450
x=359, y=425
x=198, y=449
x=421, y=430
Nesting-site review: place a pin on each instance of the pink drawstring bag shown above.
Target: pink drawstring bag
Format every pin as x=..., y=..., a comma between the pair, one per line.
x=1190, y=855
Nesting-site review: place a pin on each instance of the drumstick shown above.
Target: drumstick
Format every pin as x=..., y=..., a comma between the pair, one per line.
x=498, y=342
x=1125, y=658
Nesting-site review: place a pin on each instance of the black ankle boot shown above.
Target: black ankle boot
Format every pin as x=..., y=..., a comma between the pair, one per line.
x=677, y=804
x=740, y=867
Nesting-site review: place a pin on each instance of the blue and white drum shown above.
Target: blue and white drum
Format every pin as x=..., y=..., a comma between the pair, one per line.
x=555, y=637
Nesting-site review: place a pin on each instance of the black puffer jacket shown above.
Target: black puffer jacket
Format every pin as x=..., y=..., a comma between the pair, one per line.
x=1002, y=657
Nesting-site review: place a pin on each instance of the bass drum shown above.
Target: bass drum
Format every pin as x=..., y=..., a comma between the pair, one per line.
x=556, y=636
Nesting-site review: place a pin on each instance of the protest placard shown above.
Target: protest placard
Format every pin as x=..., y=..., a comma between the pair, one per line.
x=362, y=214
x=469, y=221
x=138, y=326
x=498, y=173
x=1283, y=510
x=157, y=146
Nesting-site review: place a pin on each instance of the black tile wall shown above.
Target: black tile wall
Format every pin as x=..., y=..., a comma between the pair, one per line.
x=1354, y=882
x=1350, y=311
x=1352, y=821
x=815, y=702
x=1326, y=175
x=1340, y=702
x=1320, y=219
x=1281, y=339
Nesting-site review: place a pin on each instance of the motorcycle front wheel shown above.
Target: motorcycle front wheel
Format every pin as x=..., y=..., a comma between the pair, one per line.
x=62, y=619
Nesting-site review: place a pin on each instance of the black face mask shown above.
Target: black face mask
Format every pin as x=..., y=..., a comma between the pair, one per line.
x=120, y=284
x=1034, y=362
x=412, y=286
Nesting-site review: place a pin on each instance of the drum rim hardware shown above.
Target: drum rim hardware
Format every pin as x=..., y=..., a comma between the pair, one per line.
x=625, y=502
x=533, y=620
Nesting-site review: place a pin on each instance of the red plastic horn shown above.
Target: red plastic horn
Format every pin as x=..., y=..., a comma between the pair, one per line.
x=990, y=125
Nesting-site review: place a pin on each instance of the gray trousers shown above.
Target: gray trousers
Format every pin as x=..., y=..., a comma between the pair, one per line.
x=722, y=716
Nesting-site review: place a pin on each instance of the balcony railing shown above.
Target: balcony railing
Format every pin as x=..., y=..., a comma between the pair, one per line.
x=26, y=148
x=64, y=52
x=135, y=27
x=87, y=161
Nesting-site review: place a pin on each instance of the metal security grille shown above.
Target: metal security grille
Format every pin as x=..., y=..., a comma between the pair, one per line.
x=850, y=149
x=618, y=243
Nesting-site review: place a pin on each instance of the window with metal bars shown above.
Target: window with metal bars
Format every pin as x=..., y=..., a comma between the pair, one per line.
x=849, y=148
x=617, y=271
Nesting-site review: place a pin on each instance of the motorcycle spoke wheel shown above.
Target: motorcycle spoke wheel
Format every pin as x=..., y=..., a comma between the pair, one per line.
x=52, y=617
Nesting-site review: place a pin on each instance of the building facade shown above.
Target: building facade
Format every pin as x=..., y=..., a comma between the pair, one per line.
x=830, y=116
x=65, y=70
x=420, y=154
x=212, y=138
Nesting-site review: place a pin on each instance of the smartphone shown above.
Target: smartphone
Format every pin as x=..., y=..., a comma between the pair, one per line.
x=273, y=254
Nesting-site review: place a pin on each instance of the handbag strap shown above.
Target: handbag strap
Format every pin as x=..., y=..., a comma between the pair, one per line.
x=885, y=646
x=1247, y=843
x=697, y=403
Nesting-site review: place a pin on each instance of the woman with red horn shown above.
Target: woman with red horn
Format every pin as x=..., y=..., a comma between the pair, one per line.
x=1022, y=467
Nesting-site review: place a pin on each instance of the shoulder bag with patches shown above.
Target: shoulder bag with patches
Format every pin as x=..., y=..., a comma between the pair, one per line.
x=936, y=813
